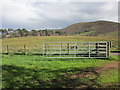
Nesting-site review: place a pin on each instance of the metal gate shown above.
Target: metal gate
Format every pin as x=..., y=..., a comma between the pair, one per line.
x=76, y=49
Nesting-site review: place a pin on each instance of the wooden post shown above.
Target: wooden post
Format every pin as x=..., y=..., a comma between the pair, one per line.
x=48, y=48
x=61, y=45
x=7, y=49
x=25, y=49
x=61, y=50
x=89, y=49
x=75, y=51
x=35, y=46
x=108, y=49
x=110, y=43
x=34, y=51
x=14, y=51
x=68, y=48
x=96, y=48
x=45, y=50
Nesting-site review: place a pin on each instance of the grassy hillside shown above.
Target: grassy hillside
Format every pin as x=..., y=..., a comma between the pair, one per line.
x=100, y=27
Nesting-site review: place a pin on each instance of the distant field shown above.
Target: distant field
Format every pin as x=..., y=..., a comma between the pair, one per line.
x=36, y=42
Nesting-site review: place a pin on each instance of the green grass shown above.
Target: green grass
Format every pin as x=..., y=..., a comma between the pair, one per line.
x=87, y=33
x=114, y=57
x=22, y=71
x=109, y=77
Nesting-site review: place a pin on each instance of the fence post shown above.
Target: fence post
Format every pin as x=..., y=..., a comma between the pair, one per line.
x=68, y=48
x=110, y=43
x=61, y=50
x=45, y=50
x=25, y=49
x=61, y=45
x=108, y=49
x=7, y=49
x=35, y=46
x=14, y=51
x=34, y=50
x=96, y=48
x=75, y=51
x=89, y=50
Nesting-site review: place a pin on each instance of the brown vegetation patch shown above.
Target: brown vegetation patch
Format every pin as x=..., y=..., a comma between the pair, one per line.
x=97, y=71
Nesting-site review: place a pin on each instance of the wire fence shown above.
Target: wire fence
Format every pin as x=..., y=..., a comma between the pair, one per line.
x=22, y=49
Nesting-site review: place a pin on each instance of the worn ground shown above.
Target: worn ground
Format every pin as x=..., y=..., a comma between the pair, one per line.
x=96, y=73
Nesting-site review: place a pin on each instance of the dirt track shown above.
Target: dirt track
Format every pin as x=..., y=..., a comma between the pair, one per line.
x=96, y=73
x=105, y=67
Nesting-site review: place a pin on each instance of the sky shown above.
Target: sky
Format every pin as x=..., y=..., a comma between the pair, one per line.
x=54, y=15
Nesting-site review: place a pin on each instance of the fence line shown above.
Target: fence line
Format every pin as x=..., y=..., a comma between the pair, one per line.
x=72, y=47
x=24, y=49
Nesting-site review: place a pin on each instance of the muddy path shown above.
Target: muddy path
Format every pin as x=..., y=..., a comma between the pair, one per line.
x=84, y=79
x=96, y=72
x=105, y=67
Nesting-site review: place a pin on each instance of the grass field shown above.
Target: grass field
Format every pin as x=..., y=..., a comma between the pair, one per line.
x=38, y=40
x=16, y=44
x=34, y=71
x=21, y=71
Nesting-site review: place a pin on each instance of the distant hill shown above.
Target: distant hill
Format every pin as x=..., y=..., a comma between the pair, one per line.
x=91, y=28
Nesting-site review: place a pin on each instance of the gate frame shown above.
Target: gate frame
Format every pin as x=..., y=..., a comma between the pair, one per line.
x=106, y=42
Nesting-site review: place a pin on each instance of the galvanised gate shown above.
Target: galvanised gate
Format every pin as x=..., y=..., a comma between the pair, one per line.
x=98, y=49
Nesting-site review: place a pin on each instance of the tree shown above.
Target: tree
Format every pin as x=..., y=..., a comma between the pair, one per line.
x=39, y=32
x=10, y=30
x=34, y=32
x=60, y=32
x=25, y=32
x=46, y=32
x=20, y=32
x=3, y=32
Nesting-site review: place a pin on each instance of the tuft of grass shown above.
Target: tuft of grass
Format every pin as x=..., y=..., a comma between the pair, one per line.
x=114, y=57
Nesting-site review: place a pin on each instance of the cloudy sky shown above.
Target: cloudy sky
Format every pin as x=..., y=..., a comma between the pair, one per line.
x=54, y=15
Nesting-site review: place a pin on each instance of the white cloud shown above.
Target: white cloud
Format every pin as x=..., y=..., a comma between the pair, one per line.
x=109, y=11
x=18, y=12
x=35, y=15
x=66, y=0
x=0, y=15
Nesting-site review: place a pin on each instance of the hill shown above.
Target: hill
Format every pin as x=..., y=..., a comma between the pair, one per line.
x=94, y=28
